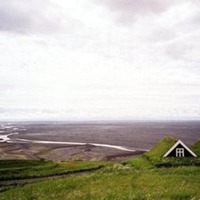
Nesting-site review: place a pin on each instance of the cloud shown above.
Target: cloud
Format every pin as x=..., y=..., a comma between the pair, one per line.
x=101, y=69
x=129, y=10
x=23, y=16
x=183, y=46
x=136, y=6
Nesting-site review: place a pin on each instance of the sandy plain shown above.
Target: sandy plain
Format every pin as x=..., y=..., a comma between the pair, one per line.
x=75, y=141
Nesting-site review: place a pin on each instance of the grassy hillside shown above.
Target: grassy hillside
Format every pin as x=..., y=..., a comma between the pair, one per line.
x=160, y=149
x=149, y=177
x=116, y=182
x=21, y=169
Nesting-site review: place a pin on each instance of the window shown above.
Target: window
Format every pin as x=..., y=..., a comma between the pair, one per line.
x=180, y=152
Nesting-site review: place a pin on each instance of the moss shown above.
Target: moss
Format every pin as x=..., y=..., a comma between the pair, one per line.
x=196, y=148
x=157, y=152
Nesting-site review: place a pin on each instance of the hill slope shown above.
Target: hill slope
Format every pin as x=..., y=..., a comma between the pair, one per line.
x=138, y=178
x=196, y=148
x=160, y=148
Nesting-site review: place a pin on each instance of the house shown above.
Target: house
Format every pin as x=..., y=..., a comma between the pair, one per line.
x=179, y=149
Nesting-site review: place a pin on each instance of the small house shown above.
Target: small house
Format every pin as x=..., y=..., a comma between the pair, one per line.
x=179, y=149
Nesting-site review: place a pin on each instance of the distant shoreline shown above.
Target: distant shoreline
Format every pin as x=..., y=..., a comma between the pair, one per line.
x=99, y=121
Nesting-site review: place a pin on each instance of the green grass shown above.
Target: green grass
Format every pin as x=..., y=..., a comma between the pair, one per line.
x=157, y=152
x=21, y=169
x=139, y=163
x=196, y=148
x=149, y=177
x=116, y=182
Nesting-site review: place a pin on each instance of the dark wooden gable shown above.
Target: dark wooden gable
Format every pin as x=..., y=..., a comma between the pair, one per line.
x=179, y=149
x=186, y=152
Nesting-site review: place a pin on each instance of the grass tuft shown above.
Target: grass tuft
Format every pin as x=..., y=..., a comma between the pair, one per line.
x=196, y=148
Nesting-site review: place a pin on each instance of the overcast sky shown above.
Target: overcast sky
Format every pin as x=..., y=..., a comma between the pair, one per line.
x=99, y=59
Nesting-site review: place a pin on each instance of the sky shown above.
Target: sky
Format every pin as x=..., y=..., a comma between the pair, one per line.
x=99, y=59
